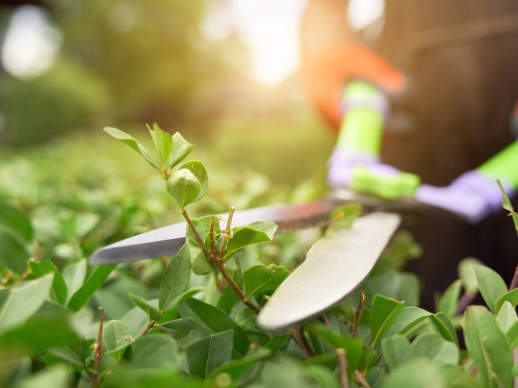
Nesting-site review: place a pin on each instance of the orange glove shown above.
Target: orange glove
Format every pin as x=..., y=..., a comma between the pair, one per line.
x=325, y=69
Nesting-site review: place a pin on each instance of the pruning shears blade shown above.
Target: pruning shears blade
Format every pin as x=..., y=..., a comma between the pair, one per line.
x=334, y=267
x=168, y=240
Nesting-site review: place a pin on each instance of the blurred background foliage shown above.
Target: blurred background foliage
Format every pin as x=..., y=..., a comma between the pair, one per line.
x=130, y=62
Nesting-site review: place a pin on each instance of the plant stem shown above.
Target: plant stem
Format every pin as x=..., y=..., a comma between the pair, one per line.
x=226, y=236
x=514, y=282
x=358, y=315
x=299, y=338
x=360, y=378
x=211, y=234
x=149, y=326
x=340, y=353
x=191, y=226
x=221, y=267
x=98, y=353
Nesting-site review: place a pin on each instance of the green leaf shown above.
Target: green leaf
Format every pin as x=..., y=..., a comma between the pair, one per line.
x=468, y=276
x=344, y=216
x=36, y=335
x=13, y=251
x=146, y=306
x=176, y=279
x=154, y=350
x=512, y=335
x=396, y=350
x=116, y=338
x=179, y=151
x=419, y=373
x=276, y=344
x=261, y=279
x=511, y=297
x=433, y=347
x=74, y=276
x=394, y=284
x=15, y=220
x=384, y=312
x=506, y=204
x=217, y=321
x=352, y=346
x=254, y=233
x=237, y=368
x=133, y=143
x=445, y=327
x=94, y=281
x=22, y=301
x=448, y=302
x=57, y=376
x=506, y=317
x=491, y=285
x=199, y=262
x=186, y=331
x=409, y=318
x=488, y=347
x=210, y=353
x=184, y=187
x=58, y=284
x=163, y=143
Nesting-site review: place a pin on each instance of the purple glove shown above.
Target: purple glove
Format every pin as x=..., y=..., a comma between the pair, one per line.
x=472, y=195
x=342, y=163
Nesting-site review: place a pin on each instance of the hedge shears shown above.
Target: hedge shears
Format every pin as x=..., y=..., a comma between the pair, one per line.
x=343, y=258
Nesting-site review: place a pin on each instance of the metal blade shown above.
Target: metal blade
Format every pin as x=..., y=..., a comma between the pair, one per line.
x=168, y=240
x=334, y=267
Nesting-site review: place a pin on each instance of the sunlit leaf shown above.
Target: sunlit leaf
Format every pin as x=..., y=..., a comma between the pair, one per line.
x=511, y=297
x=254, y=233
x=189, y=183
x=179, y=150
x=409, y=318
x=506, y=317
x=57, y=376
x=74, y=276
x=133, y=143
x=261, y=279
x=163, y=142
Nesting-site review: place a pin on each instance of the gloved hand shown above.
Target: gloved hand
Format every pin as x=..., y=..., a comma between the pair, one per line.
x=473, y=195
x=325, y=69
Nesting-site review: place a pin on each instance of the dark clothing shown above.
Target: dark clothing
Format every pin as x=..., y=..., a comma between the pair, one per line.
x=462, y=59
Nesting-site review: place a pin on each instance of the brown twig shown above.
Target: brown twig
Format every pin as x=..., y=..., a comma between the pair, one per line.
x=360, y=378
x=149, y=326
x=299, y=338
x=211, y=234
x=358, y=315
x=514, y=282
x=226, y=236
x=221, y=267
x=464, y=302
x=340, y=353
x=98, y=352
x=193, y=229
x=326, y=320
